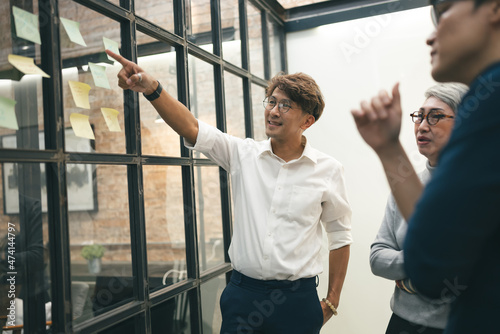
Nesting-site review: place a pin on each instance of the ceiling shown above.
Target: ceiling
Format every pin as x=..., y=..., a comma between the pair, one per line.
x=307, y=14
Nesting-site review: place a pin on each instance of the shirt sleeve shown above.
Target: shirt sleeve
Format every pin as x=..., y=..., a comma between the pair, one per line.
x=336, y=214
x=386, y=257
x=214, y=144
x=457, y=216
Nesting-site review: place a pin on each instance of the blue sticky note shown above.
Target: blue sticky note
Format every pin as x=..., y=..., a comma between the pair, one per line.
x=26, y=25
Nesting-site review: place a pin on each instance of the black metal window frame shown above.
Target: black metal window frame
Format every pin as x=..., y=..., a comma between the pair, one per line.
x=56, y=158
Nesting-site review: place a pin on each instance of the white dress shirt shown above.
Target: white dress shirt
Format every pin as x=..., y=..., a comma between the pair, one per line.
x=278, y=205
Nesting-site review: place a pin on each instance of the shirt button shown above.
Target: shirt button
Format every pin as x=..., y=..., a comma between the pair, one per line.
x=266, y=257
x=269, y=234
x=279, y=188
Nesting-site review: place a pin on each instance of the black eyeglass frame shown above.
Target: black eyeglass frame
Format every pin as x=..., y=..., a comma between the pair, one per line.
x=434, y=10
x=417, y=117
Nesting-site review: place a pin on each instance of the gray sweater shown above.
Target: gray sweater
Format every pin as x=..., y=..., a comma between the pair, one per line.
x=386, y=260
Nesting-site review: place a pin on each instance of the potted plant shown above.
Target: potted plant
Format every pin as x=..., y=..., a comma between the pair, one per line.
x=93, y=254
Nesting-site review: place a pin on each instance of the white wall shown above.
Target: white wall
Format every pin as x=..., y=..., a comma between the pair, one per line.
x=352, y=61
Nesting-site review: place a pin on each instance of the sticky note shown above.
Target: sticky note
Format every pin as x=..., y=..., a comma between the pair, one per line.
x=80, y=92
x=99, y=75
x=26, y=25
x=8, y=114
x=73, y=30
x=111, y=118
x=81, y=125
x=110, y=45
x=26, y=65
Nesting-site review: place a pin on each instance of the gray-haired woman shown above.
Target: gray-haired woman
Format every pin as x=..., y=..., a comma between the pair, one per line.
x=413, y=313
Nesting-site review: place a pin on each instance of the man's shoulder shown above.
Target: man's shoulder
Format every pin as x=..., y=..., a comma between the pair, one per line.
x=325, y=159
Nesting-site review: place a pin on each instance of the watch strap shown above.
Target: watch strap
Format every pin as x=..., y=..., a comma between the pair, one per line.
x=154, y=95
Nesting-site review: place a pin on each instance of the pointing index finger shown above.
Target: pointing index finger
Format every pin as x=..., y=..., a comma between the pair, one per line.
x=118, y=58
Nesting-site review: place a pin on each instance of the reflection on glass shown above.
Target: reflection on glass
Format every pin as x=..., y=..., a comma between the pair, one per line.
x=164, y=225
x=208, y=213
x=200, y=25
x=210, y=299
x=24, y=253
x=76, y=59
x=231, y=45
x=26, y=90
x=235, y=110
x=202, y=91
x=160, y=12
x=158, y=59
x=99, y=231
x=259, y=125
x=255, y=40
x=126, y=327
x=274, y=46
x=171, y=316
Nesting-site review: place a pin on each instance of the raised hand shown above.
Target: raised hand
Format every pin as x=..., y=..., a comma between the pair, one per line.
x=379, y=122
x=131, y=76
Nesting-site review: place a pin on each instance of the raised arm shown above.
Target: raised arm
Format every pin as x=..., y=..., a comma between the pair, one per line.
x=379, y=123
x=174, y=113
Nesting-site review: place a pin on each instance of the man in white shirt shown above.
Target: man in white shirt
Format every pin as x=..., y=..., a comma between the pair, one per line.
x=282, y=189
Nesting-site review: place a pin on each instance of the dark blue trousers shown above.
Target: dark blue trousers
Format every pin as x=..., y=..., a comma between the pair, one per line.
x=251, y=306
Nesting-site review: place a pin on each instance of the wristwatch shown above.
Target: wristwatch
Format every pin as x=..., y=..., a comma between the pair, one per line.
x=154, y=95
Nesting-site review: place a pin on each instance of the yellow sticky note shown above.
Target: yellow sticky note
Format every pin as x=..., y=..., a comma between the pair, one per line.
x=112, y=46
x=81, y=125
x=8, y=114
x=111, y=118
x=73, y=30
x=99, y=75
x=26, y=65
x=80, y=92
x=26, y=25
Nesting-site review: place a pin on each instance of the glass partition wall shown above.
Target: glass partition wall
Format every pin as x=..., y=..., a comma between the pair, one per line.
x=108, y=224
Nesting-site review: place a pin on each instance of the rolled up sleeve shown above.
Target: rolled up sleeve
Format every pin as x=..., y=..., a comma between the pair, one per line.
x=336, y=215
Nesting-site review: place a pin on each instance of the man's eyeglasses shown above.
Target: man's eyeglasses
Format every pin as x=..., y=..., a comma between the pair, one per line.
x=283, y=105
x=432, y=118
x=438, y=8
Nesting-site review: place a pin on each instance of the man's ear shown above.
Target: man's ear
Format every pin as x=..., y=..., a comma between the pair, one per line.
x=309, y=120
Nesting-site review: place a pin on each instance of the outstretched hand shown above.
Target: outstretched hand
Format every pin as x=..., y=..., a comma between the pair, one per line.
x=379, y=122
x=131, y=76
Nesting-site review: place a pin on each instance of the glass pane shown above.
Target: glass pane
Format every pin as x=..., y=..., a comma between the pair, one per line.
x=208, y=213
x=116, y=2
x=126, y=327
x=164, y=225
x=231, y=40
x=255, y=40
x=157, y=59
x=202, y=90
x=160, y=12
x=259, y=124
x=21, y=97
x=274, y=47
x=99, y=229
x=84, y=109
x=235, y=110
x=172, y=316
x=24, y=253
x=200, y=27
x=210, y=310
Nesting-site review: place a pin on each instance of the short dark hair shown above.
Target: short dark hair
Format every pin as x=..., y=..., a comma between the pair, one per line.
x=301, y=89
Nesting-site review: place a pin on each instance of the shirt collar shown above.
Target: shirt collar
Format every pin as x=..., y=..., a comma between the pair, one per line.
x=308, y=152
